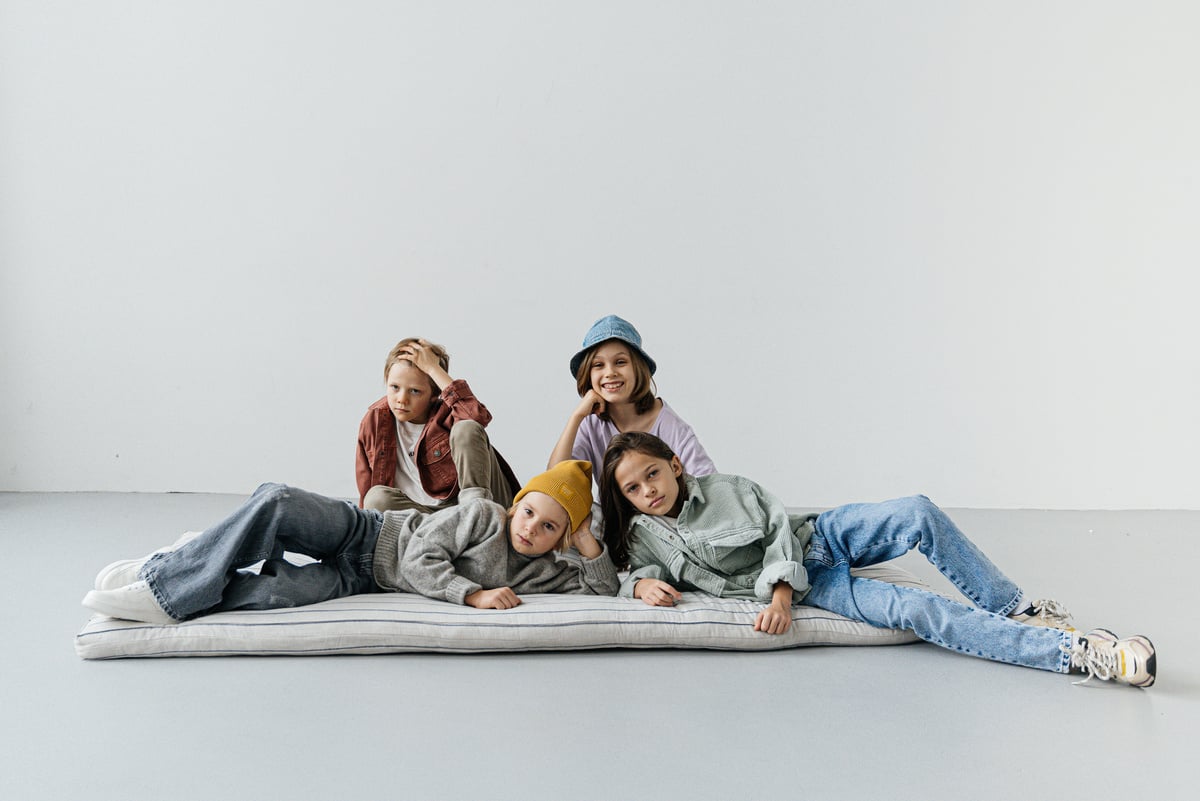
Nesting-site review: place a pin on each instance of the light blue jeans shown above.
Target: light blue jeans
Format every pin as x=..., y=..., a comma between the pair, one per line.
x=203, y=576
x=869, y=533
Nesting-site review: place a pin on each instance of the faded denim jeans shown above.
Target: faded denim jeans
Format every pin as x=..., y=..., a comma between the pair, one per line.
x=869, y=533
x=203, y=575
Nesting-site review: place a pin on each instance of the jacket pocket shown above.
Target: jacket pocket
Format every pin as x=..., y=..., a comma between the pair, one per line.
x=437, y=450
x=436, y=460
x=736, y=550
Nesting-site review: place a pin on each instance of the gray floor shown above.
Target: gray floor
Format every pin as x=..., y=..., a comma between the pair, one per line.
x=911, y=721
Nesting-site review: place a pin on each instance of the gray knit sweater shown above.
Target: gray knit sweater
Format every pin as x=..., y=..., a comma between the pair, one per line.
x=451, y=553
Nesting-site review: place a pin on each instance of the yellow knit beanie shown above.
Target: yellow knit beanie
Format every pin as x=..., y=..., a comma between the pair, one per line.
x=569, y=483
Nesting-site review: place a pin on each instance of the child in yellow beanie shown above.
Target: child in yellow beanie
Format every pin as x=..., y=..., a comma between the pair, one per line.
x=476, y=553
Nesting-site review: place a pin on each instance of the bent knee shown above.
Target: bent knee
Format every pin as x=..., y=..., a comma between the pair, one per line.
x=466, y=431
x=270, y=488
x=921, y=508
x=379, y=498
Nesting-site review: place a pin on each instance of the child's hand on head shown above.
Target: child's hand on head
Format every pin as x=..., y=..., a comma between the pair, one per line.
x=421, y=354
x=656, y=593
x=500, y=598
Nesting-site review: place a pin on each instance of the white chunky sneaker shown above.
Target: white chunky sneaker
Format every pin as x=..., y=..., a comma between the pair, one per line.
x=1103, y=655
x=1045, y=612
x=132, y=602
x=125, y=571
x=120, y=573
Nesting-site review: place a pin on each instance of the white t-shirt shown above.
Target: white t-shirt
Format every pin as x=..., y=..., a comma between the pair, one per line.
x=408, y=480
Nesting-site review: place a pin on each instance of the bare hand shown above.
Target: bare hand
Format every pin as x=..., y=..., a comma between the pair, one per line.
x=774, y=619
x=500, y=598
x=590, y=403
x=656, y=593
x=421, y=354
x=585, y=541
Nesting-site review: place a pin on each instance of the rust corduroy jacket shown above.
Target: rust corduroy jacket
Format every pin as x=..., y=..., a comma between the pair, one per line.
x=377, y=448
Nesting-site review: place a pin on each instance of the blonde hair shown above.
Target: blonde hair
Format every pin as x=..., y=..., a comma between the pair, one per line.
x=394, y=357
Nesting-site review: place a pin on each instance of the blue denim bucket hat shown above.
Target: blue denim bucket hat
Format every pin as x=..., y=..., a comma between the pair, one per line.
x=611, y=327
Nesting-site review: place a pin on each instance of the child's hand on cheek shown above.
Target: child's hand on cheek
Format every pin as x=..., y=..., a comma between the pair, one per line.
x=590, y=403
x=656, y=593
x=585, y=541
x=500, y=598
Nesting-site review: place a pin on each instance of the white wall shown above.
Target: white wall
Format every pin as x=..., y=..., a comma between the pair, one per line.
x=877, y=248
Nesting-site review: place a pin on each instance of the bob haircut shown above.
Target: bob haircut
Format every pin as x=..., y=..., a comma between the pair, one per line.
x=644, y=390
x=618, y=511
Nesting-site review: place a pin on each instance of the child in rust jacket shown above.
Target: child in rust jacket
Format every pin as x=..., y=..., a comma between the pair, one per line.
x=425, y=438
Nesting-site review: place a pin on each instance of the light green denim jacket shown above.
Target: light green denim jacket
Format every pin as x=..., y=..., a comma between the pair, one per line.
x=735, y=540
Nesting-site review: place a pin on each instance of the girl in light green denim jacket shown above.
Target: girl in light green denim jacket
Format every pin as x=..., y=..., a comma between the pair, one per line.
x=727, y=536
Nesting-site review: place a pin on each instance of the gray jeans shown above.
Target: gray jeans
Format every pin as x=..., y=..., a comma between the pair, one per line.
x=474, y=460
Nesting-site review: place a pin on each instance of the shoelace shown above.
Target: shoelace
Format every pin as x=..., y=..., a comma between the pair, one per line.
x=1051, y=611
x=1096, y=662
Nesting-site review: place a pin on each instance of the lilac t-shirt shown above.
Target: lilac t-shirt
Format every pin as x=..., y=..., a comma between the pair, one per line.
x=594, y=435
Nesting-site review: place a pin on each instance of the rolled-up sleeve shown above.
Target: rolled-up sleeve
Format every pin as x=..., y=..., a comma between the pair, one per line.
x=782, y=552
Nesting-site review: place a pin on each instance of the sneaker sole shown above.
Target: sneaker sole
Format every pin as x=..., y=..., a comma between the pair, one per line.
x=1151, y=662
x=140, y=608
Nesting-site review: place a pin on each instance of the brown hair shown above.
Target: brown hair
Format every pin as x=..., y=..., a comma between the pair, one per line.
x=618, y=511
x=394, y=357
x=644, y=390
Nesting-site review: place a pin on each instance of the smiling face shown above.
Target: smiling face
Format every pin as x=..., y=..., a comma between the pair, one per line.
x=650, y=483
x=612, y=372
x=408, y=393
x=537, y=524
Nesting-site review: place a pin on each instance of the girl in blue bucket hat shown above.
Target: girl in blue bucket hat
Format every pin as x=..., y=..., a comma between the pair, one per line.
x=614, y=378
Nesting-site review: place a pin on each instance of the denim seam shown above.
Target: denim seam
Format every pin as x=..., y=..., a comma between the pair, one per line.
x=1011, y=606
x=1065, y=660
x=151, y=581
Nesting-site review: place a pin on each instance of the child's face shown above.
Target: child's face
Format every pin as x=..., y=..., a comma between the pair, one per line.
x=538, y=524
x=650, y=483
x=408, y=393
x=613, y=373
